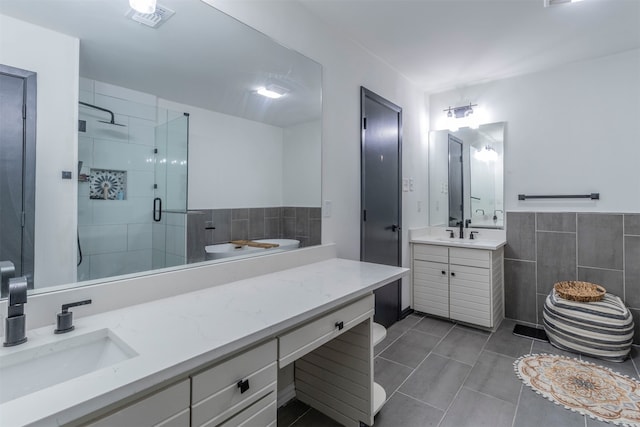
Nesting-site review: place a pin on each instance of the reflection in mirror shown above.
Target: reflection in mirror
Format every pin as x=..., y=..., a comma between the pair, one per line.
x=175, y=148
x=456, y=182
x=482, y=185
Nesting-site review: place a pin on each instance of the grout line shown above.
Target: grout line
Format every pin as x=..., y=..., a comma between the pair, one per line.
x=421, y=401
x=300, y=417
x=464, y=380
x=515, y=413
x=398, y=363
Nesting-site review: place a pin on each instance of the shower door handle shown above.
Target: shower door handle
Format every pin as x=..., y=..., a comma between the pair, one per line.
x=157, y=209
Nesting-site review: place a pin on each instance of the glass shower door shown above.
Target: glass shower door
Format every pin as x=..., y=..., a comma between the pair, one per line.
x=170, y=190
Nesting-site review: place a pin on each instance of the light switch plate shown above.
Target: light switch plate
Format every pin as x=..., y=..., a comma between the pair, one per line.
x=326, y=208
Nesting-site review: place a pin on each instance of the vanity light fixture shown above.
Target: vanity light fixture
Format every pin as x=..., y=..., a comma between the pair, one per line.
x=272, y=91
x=463, y=112
x=143, y=6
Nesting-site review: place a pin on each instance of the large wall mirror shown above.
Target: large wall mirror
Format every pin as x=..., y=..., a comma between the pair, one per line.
x=171, y=147
x=476, y=192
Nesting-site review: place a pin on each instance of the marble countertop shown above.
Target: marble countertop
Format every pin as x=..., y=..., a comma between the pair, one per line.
x=484, y=238
x=174, y=336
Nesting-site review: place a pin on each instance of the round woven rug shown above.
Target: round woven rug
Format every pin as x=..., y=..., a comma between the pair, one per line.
x=582, y=387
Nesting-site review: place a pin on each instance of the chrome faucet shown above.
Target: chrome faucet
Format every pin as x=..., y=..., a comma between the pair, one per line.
x=15, y=331
x=480, y=210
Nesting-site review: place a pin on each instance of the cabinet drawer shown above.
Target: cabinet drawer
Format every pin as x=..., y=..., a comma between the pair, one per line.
x=152, y=410
x=431, y=253
x=312, y=335
x=261, y=414
x=181, y=419
x=230, y=399
x=470, y=257
x=228, y=373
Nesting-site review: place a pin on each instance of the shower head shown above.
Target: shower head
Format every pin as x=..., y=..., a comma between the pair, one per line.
x=110, y=122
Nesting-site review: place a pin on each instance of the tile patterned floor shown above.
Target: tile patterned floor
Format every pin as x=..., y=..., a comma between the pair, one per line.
x=437, y=373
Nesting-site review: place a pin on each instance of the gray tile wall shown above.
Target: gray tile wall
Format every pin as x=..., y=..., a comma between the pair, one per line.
x=212, y=226
x=547, y=247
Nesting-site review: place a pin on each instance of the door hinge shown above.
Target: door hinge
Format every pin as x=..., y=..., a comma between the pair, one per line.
x=364, y=123
x=24, y=111
x=460, y=159
x=364, y=215
x=23, y=219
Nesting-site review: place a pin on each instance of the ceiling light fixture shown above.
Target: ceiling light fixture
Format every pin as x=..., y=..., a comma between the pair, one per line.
x=143, y=6
x=272, y=91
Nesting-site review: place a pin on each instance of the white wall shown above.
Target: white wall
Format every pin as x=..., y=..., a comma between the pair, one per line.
x=215, y=182
x=301, y=163
x=570, y=130
x=55, y=59
x=346, y=67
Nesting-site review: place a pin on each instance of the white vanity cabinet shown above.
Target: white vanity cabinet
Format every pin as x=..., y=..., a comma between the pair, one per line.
x=168, y=407
x=459, y=283
x=333, y=356
x=240, y=391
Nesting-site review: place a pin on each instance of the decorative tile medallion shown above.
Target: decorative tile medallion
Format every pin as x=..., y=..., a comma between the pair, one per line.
x=107, y=184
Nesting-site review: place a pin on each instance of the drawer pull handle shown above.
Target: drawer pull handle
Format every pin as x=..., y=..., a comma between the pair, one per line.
x=444, y=272
x=453, y=274
x=243, y=386
x=340, y=325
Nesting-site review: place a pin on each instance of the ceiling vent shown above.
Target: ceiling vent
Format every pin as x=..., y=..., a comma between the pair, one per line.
x=153, y=20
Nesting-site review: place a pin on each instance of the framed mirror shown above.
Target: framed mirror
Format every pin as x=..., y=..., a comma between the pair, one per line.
x=466, y=176
x=201, y=158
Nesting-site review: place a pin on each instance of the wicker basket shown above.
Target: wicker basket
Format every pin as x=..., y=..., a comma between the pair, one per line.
x=580, y=291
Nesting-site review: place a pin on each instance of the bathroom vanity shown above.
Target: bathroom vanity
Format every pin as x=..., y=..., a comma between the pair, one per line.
x=211, y=357
x=459, y=279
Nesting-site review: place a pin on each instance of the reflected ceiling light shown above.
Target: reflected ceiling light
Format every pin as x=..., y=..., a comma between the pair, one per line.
x=143, y=6
x=272, y=91
x=548, y=3
x=486, y=154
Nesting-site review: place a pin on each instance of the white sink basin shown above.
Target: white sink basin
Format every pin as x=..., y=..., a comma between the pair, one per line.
x=32, y=369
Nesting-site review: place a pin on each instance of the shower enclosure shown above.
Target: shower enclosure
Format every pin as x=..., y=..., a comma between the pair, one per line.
x=132, y=189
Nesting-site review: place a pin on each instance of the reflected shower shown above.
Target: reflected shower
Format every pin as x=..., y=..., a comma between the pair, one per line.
x=111, y=122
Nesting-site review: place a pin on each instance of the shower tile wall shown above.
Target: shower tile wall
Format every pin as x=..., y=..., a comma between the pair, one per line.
x=547, y=247
x=116, y=236
x=208, y=227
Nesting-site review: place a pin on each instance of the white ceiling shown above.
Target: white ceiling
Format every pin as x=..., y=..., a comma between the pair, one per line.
x=200, y=57
x=437, y=44
x=443, y=44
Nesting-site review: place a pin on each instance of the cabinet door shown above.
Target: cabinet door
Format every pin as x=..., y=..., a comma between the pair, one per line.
x=431, y=287
x=470, y=295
